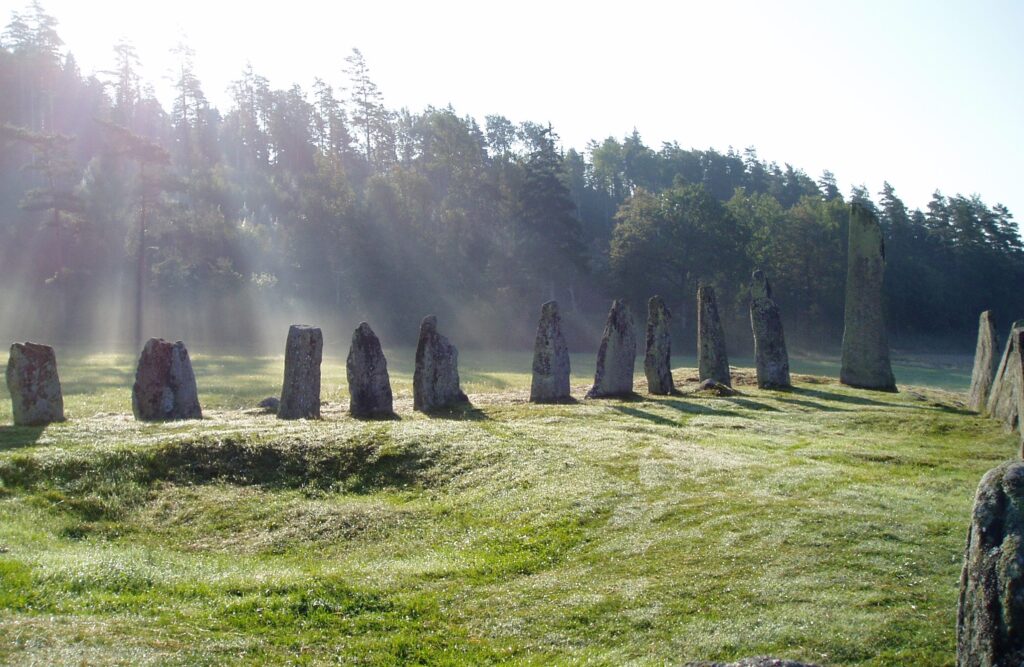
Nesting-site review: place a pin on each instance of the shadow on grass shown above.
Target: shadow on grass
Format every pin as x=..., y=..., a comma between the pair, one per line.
x=642, y=414
x=15, y=437
x=460, y=412
x=695, y=408
x=821, y=407
x=839, y=398
x=749, y=404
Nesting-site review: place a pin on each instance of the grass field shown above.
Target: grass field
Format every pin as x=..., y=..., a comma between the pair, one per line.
x=823, y=524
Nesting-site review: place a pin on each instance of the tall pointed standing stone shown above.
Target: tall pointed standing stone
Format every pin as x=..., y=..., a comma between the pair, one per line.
x=165, y=386
x=658, y=357
x=32, y=381
x=986, y=363
x=616, y=356
x=300, y=391
x=865, y=341
x=771, y=358
x=990, y=614
x=369, y=386
x=550, y=359
x=435, y=381
x=1008, y=387
x=712, y=361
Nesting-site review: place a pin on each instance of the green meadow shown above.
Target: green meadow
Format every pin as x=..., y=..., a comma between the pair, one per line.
x=823, y=524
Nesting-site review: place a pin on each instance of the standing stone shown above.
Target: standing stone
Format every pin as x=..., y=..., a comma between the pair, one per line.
x=550, y=359
x=771, y=358
x=1006, y=395
x=300, y=392
x=616, y=356
x=165, y=386
x=658, y=358
x=435, y=382
x=36, y=398
x=865, y=341
x=369, y=386
x=985, y=363
x=990, y=616
x=712, y=361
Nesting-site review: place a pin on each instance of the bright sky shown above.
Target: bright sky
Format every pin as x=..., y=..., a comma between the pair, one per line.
x=926, y=94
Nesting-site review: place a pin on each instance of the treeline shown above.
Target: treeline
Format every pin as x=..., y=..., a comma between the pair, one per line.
x=325, y=201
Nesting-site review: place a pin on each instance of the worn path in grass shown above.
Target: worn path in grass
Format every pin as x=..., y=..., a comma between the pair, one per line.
x=825, y=524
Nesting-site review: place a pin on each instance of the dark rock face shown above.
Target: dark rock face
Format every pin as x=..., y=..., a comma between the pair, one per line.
x=712, y=361
x=986, y=363
x=369, y=386
x=165, y=386
x=990, y=616
x=550, y=359
x=300, y=391
x=435, y=381
x=36, y=398
x=658, y=358
x=865, y=340
x=1008, y=386
x=616, y=356
x=771, y=358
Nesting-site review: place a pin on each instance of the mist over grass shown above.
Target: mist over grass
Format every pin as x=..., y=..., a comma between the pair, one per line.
x=825, y=524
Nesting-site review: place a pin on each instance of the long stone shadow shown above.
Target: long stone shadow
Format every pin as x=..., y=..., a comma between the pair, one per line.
x=642, y=414
x=749, y=404
x=810, y=404
x=694, y=408
x=16, y=437
x=841, y=398
x=461, y=412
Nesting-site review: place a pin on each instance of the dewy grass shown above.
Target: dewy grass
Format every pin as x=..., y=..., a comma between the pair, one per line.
x=823, y=523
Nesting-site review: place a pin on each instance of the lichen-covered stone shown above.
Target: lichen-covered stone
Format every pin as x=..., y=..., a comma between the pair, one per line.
x=716, y=388
x=34, y=386
x=616, y=356
x=658, y=357
x=771, y=358
x=990, y=616
x=712, y=360
x=435, y=381
x=865, y=362
x=369, y=385
x=986, y=363
x=165, y=386
x=1008, y=386
x=300, y=391
x=550, y=359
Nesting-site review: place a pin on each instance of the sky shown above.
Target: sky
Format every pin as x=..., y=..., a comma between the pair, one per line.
x=927, y=95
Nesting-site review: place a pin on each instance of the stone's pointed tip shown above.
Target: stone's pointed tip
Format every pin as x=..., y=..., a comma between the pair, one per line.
x=429, y=322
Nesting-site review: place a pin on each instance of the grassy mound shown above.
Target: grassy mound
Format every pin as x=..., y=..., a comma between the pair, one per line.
x=823, y=524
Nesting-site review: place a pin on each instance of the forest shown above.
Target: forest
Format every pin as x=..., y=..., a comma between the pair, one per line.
x=121, y=219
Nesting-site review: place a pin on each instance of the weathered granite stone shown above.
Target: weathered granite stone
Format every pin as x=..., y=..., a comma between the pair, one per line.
x=990, y=616
x=616, y=356
x=712, y=361
x=435, y=381
x=658, y=358
x=36, y=398
x=300, y=391
x=865, y=340
x=986, y=363
x=550, y=359
x=165, y=386
x=369, y=386
x=1008, y=385
x=771, y=358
